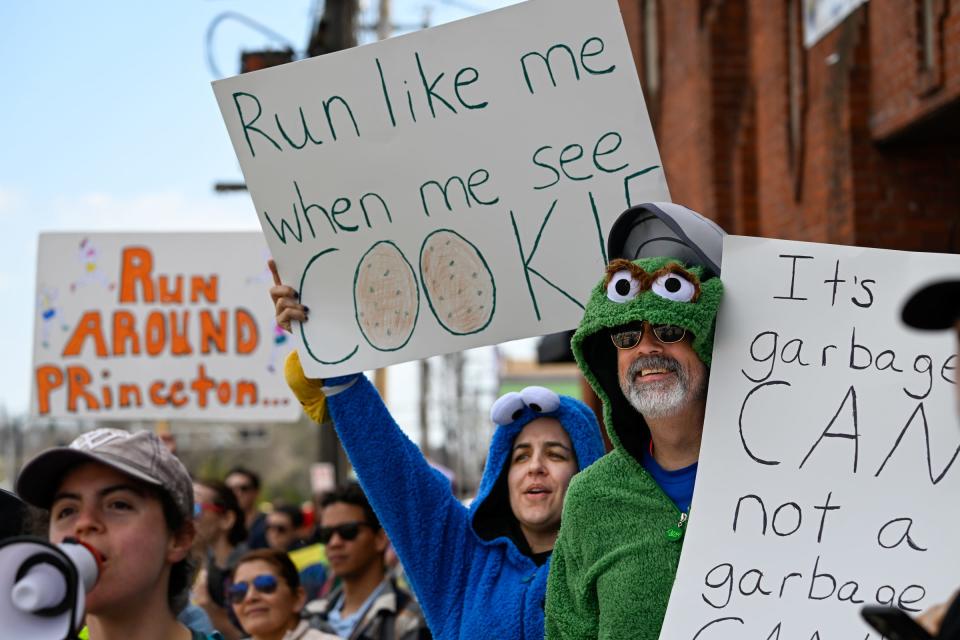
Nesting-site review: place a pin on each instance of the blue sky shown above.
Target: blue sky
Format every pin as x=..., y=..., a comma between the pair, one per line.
x=109, y=124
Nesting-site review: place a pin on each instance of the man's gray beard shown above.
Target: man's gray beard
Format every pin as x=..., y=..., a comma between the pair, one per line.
x=662, y=398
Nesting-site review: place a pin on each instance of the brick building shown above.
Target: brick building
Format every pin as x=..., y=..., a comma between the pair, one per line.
x=855, y=140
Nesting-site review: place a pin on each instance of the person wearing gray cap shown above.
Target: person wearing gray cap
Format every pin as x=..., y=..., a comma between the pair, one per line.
x=128, y=497
x=936, y=307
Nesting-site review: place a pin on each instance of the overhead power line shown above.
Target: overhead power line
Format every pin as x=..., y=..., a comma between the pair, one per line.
x=244, y=20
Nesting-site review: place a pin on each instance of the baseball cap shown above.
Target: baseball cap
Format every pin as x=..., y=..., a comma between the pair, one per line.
x=935, y=305
x=139, y=455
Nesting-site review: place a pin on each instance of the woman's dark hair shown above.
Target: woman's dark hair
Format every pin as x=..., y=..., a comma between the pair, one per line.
x=250, y=475
x=292, y=512
x=182, y=573
x=224, y=497
x=277, y=559
x=351, y=493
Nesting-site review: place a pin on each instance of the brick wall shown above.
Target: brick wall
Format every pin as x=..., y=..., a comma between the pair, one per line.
x=873, y=154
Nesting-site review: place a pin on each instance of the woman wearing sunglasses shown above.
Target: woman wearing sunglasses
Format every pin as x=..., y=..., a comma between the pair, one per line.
x=480, y=572
x=266, y=597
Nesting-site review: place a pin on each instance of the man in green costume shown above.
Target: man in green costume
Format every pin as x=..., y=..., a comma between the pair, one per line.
x=645, y=345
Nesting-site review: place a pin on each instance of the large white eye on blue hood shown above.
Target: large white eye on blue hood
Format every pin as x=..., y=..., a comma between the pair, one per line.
x=540, y=399
x=623, y=286
x=674, y=286
x=507, y=408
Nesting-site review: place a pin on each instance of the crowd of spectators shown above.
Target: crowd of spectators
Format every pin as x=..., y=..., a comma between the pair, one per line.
x=204, y=559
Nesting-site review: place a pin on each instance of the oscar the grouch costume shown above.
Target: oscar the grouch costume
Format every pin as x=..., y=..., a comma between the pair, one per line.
x=620, y=539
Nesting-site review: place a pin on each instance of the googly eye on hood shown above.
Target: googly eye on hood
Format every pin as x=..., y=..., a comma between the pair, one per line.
x=540, y=399
x=623, y=286
x=671, y=293
x=678, y=287
x=507, y=408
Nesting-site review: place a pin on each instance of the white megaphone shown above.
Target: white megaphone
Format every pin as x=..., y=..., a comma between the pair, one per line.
x=43, y=587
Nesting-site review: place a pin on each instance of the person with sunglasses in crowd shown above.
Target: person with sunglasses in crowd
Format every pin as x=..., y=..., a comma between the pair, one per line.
x=283, y=534
x=645, y=345
x=267, y=598
x=481, y=571
x=283, y=527
x=221, y=540
x=245, y=485
x=368, y=604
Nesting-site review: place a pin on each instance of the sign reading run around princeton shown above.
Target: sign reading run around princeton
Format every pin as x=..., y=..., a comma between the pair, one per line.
x=828, y=475
x=157, y=326
x=449, y=188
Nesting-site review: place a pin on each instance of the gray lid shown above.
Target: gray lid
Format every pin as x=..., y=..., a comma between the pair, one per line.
x=664, y=229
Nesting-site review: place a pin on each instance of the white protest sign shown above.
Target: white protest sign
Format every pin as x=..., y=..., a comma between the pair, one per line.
x=157, y=326
x=827, y=476
x=450, y=188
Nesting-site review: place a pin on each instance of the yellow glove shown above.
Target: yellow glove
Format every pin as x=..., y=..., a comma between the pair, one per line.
x=309, y=391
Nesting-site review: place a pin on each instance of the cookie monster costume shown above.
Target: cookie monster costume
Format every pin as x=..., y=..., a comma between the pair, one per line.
x=620, y=538
x=473, y=573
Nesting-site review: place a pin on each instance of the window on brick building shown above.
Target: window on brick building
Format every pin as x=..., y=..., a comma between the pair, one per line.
x=928, y=39
x=930, y=15
x=796, y=91
x=651, y=48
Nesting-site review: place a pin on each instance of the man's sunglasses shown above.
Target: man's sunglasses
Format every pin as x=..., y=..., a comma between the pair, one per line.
x=665, y=333
x=347, y=531
x=279, y=528
x=264, y=583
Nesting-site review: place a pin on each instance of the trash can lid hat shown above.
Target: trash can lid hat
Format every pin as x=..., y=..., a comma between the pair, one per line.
x=655, y=229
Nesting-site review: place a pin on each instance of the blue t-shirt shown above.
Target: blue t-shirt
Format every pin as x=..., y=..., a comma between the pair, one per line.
x=678, y=485
x=343, y=626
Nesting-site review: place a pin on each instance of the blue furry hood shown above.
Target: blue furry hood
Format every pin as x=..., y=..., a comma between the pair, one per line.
x=490, y=513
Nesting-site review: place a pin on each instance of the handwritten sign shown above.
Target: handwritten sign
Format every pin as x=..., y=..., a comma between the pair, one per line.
x=447, y=189
x=827, y=475
x=157, y=326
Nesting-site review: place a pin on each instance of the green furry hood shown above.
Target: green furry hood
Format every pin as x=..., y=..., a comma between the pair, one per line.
x=651, y=289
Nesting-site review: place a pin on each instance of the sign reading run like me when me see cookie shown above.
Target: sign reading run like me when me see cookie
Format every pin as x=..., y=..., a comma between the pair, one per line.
x=449, y=188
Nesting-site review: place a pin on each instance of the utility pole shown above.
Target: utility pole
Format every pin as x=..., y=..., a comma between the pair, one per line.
x=336, y=29
x=384, y=28
x=425, y=407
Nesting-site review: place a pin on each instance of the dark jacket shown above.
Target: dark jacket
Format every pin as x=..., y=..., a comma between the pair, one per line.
x=950, y=627
x=394, y=615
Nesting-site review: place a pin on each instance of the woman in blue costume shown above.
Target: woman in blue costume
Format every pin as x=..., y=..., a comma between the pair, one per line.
x=479, y=573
